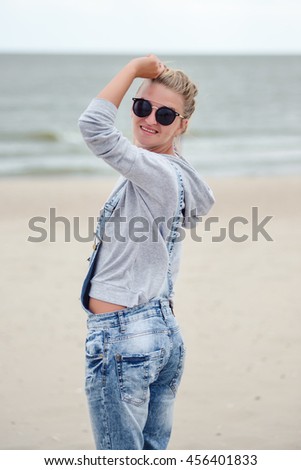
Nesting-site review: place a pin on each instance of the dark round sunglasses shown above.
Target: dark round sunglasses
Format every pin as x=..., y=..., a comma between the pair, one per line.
x=164, y=115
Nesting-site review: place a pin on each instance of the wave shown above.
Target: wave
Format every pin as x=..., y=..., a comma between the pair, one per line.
x=74, y=137
x=242, y=133
x=216, y=165
x=47, y=136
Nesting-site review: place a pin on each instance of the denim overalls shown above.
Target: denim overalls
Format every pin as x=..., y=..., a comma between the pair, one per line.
x=134, y=359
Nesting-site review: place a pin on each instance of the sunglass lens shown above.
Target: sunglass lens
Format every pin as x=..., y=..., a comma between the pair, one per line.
x=142, y=108
x=165, y=116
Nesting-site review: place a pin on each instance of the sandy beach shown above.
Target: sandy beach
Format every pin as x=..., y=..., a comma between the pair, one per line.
x=238, y=304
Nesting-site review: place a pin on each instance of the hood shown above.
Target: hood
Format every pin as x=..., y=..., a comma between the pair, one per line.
x=198, y=196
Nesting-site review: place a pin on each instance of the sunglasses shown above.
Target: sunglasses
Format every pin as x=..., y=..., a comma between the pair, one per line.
x=164, y=115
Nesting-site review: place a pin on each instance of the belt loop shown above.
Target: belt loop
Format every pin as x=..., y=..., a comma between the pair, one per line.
x=163, y=309
x=121, y=322
x=171, y=307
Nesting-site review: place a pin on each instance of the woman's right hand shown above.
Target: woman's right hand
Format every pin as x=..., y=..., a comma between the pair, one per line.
x=148, y=66
x=141, y=67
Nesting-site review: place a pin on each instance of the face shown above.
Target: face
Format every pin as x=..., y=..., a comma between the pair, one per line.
x=148, y=133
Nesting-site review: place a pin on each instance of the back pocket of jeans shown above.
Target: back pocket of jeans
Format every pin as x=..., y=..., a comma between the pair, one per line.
x=135, y=374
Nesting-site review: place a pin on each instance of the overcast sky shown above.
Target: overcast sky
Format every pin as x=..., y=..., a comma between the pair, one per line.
x=144, y=26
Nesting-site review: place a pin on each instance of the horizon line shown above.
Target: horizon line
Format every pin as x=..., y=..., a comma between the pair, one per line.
x=132, y=53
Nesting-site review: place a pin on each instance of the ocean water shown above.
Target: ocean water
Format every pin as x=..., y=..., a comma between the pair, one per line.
x=247, y=122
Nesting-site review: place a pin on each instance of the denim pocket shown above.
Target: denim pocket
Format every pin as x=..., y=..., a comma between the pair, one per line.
x=135, y=374
x=175, y=382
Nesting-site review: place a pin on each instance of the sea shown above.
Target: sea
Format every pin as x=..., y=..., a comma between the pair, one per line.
x=247, y=120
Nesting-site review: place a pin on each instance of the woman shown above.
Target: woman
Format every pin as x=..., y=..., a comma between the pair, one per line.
x=134, y=348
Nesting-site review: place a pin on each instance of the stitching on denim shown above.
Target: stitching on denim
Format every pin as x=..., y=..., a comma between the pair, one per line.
x=136, y=335
x=175, y=225
x=175, y=382
x=109, y=208
x=144, y=366
x=105, y=358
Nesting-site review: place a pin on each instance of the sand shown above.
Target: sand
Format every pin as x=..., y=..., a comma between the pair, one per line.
x=238, y=304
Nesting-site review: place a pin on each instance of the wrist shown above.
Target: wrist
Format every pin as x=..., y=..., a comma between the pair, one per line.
x=131, y=69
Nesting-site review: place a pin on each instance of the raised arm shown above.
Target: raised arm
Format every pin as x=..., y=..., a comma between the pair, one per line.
x=149, y=171
x=141, y=67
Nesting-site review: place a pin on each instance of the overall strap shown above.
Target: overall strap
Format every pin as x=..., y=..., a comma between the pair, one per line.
x=106, y=211
x=113, y=201
x=177, y=222
x=180, y=206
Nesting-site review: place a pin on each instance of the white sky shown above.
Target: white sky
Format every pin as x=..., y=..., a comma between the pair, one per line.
x=145, y=26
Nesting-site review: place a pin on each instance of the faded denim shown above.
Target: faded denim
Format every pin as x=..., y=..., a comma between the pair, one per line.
x=134, y=362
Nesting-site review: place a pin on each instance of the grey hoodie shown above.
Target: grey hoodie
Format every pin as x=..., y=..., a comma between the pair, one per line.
x=131, y=272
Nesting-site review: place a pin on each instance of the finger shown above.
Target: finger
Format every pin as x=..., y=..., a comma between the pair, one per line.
x=161, y=67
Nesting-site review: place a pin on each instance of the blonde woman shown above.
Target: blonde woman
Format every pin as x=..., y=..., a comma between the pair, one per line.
x=135, y=351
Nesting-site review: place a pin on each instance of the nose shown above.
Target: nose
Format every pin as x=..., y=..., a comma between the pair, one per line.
x=151, y=119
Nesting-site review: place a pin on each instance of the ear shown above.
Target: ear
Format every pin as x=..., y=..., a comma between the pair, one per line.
x=183, y=127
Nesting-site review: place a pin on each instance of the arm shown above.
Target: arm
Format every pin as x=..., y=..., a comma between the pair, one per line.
x=141, y=67
x=150, y=172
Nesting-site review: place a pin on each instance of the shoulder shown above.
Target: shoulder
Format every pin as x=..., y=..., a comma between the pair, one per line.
x=154, y=173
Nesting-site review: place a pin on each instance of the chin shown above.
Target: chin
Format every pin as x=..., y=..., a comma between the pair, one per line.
x=145, y=143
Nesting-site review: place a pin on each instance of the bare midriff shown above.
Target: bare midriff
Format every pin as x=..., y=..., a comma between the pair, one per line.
x=100, y=306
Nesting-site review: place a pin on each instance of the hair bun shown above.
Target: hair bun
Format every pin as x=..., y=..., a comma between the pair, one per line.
x=179, y=82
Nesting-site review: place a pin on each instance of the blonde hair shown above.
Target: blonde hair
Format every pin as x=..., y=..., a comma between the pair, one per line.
x=179, y=82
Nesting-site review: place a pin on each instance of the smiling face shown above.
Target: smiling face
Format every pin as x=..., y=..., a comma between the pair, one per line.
x=148, y=133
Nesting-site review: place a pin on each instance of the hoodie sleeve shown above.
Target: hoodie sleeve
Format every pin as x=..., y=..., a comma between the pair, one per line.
x=148, y=170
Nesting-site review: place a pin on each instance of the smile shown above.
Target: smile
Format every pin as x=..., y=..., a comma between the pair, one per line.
x=149, y=131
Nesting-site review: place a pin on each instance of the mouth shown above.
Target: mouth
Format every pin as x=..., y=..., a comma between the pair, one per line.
x=148, y=130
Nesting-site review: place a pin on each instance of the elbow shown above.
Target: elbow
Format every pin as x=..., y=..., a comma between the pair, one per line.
x=99, y=141
x=92, y=133
x=90, y=125
x=84, y=127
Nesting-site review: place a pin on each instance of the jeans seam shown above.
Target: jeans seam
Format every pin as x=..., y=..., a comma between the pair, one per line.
x=106, y=419
x=105, y=358
x=174, y=383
